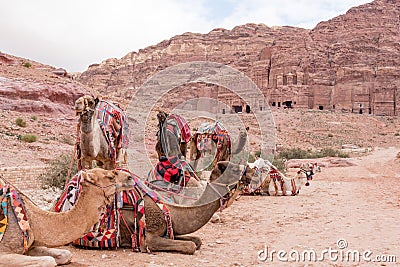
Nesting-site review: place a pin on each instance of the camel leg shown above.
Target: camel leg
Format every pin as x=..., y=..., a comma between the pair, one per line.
x=62, y=256
x=121, y=157
x=18, y=260
x=157, y=243
x=194, y=239
x=108, y=165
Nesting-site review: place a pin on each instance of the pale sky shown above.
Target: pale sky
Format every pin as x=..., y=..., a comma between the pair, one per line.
x=76, y=33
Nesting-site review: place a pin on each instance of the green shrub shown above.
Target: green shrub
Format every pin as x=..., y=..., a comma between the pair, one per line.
x=251, y=158
x=27, y=64
x=29, y=138
x=20, y=122
x=295, y=153
x=57, y=172
x=68, y=139
x=280, y=164
x=34, y=118
x=330, y=152
x=298, y=153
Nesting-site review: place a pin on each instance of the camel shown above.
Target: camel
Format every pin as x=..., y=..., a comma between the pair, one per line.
x=184, y=219
x=172, y=136
x=228, y=179
x=209, y=135
x=174, y=178
x=50, y=229
x=270, y=180
x=102, y=135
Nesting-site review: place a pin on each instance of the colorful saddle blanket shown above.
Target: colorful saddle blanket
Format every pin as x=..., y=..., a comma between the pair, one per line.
x=183, y=127
x=105, y=233
x=9, y=197
x=114, y=125
x=215, y=132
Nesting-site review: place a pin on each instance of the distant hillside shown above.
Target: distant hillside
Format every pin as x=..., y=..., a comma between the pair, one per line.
x=349, y=63
x=29, y=86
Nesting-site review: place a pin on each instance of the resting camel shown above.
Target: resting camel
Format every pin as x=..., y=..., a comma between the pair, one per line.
x=185, y=219
x=209, y=135
x=50, y=229
x=103, y=133
x=172, y=136
x=270, y=180
x=228, y=179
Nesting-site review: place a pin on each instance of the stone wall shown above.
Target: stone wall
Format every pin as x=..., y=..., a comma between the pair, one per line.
x=23, y=177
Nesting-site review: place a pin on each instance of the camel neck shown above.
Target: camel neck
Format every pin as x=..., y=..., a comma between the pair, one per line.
x=56, y=229
x=87, y=126
x=188, y=219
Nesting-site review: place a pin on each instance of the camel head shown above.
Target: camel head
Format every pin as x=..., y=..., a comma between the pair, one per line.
x=162, y=116
x=85, y=104
x=234, y=176
x=307, y=171
x=110, y=181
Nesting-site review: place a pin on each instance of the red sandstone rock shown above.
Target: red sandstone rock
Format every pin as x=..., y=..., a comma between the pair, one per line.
x=34, y=88
x=348, y=63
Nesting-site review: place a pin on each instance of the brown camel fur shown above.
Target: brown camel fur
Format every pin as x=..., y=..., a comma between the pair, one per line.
x=190, y=218
x=173, y=143
x=93, y=144
x=51, y=229
x=225, y=151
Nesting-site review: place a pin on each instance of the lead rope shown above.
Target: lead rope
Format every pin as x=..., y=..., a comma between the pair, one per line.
x=74, y=153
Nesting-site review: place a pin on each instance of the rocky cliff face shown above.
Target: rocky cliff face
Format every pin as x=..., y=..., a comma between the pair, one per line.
x=28, y=86
x=348, y=63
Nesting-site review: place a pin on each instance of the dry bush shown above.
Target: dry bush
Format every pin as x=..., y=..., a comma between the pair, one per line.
x=57, y=172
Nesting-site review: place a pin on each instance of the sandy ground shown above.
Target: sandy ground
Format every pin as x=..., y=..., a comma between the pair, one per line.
x=358, y=206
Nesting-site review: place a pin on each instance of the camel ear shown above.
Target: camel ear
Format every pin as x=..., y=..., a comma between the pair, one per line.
x=96, y=101
x=88, y=177
x=89, y=101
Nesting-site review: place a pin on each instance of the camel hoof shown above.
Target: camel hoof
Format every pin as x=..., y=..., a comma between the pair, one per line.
x=197, y=241
x=191, y=249
x=64, y=257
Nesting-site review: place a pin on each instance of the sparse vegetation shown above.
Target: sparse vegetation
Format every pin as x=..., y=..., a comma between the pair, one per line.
x=34, y=118
x=280, y=164
x=20, y=122
x=68, y=139
x=251, y=158
x=27, y=64
x=57, y=172
x=29, y=138
x=298, y=153
x=330, y=135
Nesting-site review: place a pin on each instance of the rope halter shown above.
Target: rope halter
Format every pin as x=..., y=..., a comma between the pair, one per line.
x=230, y=189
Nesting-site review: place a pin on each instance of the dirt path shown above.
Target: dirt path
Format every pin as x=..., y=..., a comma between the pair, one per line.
x=359, y=205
